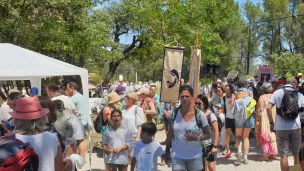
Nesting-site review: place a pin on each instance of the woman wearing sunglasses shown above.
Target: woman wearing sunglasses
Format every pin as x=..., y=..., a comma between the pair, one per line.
x=210, y=150
x=184, y=134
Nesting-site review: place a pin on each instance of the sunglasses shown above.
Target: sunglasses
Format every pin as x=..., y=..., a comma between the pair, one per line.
x=184, y=97
x=198, y=103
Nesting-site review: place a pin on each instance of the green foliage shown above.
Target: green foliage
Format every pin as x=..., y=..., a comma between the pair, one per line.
x=79, y=33
x=205, y=81
x=288, y=63
x=96, y=79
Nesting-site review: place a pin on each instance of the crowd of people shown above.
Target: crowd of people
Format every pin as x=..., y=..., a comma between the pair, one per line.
x=203, y=125
x=228, y=114
x=54, y=127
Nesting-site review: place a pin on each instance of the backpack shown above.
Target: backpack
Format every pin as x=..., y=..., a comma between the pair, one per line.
x=197, y=117
x=99, y=124
x=17, y=156
x=242, y=94
x=289, y=109
x=250, y=108
x=219, y=121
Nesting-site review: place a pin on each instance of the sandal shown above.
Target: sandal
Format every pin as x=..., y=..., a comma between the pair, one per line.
x=263, y=159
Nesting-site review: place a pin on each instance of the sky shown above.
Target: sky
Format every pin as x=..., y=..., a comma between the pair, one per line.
x=254, y=1
x=127, y=39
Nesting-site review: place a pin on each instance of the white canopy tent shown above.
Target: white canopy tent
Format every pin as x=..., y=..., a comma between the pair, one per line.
x=22, y=64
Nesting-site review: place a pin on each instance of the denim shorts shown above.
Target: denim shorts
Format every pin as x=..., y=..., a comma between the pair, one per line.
x=195, y=164
x=249, y=123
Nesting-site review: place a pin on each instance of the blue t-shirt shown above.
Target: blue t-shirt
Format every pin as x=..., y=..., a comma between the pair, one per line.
x=78, y=100
x=280, y=123
x=157, y=99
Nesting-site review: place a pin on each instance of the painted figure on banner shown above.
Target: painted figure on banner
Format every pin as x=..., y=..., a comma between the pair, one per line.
x=176, y=78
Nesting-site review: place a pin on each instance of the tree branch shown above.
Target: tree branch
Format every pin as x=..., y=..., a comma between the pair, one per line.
x=132, y=45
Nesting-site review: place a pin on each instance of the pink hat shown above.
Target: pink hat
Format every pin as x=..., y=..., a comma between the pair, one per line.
x=143, y=91
x=29, y=108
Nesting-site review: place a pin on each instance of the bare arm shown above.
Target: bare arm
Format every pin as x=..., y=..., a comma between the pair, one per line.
x=166, y=114
x=169, y=139
x=138, y=134
x=269, y=112
x=232, y=100
x=206, y=133
x=152, y=109
x=216, y=132
x=60, y=164
x=133, y=163
x=106, y=149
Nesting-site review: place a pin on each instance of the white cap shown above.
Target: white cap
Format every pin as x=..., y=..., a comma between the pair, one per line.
x=219, y=81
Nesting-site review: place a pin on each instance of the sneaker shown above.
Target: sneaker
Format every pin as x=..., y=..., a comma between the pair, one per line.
x=245, y=161
x=224, y=152
x=228, y=154
x=239, y=160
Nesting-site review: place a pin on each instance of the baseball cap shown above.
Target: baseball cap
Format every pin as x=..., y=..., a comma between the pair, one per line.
x=63, y=124
x=34, y=91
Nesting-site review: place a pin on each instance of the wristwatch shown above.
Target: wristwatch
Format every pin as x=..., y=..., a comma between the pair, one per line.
x=122, y=148
x=215, y=146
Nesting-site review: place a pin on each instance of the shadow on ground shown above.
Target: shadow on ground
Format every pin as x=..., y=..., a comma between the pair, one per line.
x=99, y=152
x=254, y=153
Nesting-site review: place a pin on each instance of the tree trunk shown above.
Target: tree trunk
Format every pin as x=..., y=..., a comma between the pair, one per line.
x=81, y=61
x=248, y=51
x=112, y=69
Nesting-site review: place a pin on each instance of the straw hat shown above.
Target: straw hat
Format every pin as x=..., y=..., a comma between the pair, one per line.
x=132, y=95
x=29, y=108
x=113, y=97
x=299, y=74
x=143, y=90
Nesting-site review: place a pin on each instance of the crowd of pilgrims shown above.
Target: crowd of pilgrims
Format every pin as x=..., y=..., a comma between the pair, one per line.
x=198, y=128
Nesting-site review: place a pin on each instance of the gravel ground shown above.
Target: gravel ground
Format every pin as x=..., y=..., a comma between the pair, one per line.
x=222, y=163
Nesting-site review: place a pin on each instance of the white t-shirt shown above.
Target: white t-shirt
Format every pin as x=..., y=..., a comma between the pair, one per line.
x=223, y=131
x=68, y=103
x=213, y=118
x=146, y=155
x=45, y=145
x=228, y=107
x=181, y=148
x=132, y=118
x=4, y=112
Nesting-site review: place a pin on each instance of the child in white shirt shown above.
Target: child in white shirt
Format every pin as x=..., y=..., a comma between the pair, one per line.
x=147, y=150
x=223, y=131
x=116, y=141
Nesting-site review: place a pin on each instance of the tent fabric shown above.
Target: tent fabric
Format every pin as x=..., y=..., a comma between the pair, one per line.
x=23, y=64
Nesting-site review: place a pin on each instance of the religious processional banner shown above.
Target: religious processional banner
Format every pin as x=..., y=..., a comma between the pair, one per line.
x=172, y=72
x=194, y=75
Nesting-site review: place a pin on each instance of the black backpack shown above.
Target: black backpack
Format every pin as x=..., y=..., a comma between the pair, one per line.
x=17, y=156
x=99, y=123
x=289, y=109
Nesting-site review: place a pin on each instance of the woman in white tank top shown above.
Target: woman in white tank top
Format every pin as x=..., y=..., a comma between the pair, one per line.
x=30, y=122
